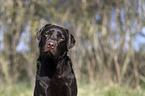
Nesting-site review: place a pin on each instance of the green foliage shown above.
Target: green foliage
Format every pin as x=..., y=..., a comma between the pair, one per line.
x=18, y=89
x=84, y=89
x=102, y=89
x=112, y=92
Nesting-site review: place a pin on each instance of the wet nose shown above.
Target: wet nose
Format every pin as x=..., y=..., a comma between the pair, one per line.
x=51, y=45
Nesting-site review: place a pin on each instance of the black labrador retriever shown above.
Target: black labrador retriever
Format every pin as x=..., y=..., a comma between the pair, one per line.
x=55, y=76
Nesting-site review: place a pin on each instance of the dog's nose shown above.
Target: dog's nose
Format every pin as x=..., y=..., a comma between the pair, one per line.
x=51, y=45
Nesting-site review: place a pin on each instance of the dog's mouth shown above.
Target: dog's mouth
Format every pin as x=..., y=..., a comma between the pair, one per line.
x=49, y=54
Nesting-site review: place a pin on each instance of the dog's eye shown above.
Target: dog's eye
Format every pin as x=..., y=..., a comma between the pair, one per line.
x=47, y=34
x=61, y=39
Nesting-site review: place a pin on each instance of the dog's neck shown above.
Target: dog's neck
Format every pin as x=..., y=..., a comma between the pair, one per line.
x=52, y=67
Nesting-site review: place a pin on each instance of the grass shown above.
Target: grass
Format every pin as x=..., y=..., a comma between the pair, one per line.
x=90, y=89
x=16, y=90
x=100, y=89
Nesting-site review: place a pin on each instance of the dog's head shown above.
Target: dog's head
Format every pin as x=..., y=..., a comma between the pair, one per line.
x=54, y=40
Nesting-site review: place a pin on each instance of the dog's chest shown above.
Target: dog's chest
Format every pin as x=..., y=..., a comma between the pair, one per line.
x=57, y=82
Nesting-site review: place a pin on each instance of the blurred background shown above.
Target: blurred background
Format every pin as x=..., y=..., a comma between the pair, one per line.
x=109, y=55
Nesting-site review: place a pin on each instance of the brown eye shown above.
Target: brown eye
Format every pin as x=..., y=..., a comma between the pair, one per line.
x=47, y=34
x=61, y=39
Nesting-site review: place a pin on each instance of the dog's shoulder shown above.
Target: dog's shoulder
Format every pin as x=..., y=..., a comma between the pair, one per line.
x=69, y=60
x=67, y=69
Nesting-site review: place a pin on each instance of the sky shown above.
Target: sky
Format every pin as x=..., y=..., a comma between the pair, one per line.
x=139, y=40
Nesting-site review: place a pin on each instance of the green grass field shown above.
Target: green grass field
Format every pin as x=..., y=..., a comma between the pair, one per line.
x=91, y=89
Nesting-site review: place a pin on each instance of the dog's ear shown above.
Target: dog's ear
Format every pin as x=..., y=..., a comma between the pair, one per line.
x=39, y=34
x=40, y=31
x=70, y=41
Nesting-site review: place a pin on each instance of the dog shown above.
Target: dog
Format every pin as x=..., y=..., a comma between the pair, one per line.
x=55, y=75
